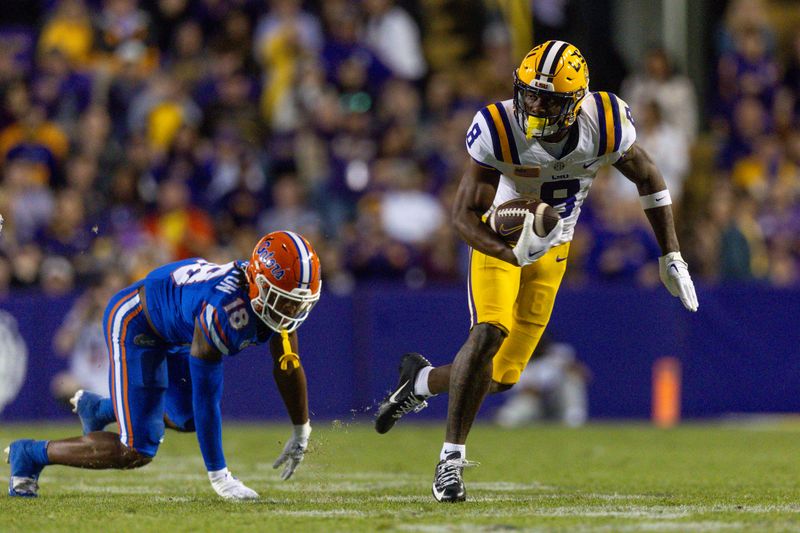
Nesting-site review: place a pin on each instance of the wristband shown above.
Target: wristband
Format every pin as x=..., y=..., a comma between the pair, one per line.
x=673, y=256
x=302, y=431
x=657, y=199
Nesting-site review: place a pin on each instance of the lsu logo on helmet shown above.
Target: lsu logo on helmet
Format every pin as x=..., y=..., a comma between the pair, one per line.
x=284, y=280
x=554, y=73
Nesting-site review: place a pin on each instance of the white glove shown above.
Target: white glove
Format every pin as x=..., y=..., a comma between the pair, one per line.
x=530, y=247
x=230, y=487
x=293, y=451
x=675, y=276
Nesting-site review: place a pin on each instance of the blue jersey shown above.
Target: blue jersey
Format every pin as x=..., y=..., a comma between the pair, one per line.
x=193, y=292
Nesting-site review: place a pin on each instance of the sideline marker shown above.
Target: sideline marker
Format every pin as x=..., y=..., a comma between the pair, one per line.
x=666, y=392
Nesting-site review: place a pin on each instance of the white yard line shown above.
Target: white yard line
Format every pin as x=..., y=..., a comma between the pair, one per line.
x=331, y=513
x=359, y=495
x=659, y=517
x=116, y=489
x=639, y=526
x=505, y=486
x=677, y=526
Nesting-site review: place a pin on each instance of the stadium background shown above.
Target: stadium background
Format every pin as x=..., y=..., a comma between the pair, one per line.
x=134, y=133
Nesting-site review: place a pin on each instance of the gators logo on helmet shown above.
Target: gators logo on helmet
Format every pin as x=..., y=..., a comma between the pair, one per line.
x=549, y=86
x=285, y=280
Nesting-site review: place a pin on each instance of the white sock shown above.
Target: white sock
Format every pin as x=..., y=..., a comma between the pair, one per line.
x=421, y=382
x=449, y=448
x=217, y=475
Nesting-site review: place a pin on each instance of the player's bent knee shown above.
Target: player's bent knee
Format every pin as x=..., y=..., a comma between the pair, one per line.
x=130, y=458
x=185, y=425
x=139, y=461
x=487, y=337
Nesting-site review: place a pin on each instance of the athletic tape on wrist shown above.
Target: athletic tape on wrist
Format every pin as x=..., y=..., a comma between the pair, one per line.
x=657, y=199
x=302, y=431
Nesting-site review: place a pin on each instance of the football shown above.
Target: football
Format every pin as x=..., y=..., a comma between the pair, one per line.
x=507, y=219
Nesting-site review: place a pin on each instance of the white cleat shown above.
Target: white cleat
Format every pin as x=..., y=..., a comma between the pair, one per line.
x=25, y=487
x=231, y=488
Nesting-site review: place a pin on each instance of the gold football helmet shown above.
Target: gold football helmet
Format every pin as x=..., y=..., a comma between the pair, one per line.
x=549, y=86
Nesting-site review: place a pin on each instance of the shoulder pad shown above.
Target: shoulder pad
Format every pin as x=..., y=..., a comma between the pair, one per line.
x=616, y=131
x=490, y=138
x=503, y=143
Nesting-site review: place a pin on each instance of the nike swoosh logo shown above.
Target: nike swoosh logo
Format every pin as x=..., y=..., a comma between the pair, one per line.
x=676, y=268
x=508, y=231
x=559, y=259
x=660, y=198
x=531, y=255
x=393, y=397
x=590, y=163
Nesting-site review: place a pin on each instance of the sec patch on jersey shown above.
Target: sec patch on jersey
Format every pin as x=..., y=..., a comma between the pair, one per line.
x=509, y=216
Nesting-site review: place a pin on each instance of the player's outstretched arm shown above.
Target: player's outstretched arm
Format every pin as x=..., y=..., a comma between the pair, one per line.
x=205, y=366
x=290, y=379
x=636, y=165
x=474, y=197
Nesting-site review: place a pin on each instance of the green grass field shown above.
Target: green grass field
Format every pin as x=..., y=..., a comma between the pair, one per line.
x=615, y=477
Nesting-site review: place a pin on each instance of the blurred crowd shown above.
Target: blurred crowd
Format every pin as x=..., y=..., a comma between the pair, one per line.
x=735, y=182
x=751, y=220
x=135, y=132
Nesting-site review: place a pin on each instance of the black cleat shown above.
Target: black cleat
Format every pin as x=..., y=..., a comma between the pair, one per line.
x=448, y=483
x=402, y=400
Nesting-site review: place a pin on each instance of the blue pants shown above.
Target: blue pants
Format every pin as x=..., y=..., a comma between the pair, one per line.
x=147, y=376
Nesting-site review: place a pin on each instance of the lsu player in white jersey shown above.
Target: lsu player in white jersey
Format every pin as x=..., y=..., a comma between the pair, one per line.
x=547, y=142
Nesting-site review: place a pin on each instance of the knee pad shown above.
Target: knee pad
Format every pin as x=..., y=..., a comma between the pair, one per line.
x=506, y=373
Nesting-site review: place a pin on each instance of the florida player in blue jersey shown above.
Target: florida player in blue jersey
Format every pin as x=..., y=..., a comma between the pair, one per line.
x=167, y=336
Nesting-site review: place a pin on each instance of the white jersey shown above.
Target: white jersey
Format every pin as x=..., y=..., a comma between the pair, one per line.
x=602, y=132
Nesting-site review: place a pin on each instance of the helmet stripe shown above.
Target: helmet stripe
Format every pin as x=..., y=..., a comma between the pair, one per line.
x=556, y=57
x=543, y=60
x=549, y=60
x=305, y=259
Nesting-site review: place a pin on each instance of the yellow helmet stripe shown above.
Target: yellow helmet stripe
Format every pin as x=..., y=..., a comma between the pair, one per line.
x=502, y=133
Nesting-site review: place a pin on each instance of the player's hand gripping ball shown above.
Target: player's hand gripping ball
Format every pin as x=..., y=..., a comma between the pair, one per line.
x=508, y=218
